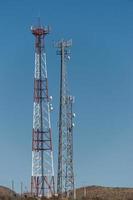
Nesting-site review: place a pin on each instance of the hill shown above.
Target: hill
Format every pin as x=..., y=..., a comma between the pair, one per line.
x=104, y=193
x=84, y=193
x=7, y=194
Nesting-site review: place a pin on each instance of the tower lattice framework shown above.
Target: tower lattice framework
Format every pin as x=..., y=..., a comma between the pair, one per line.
x=42, y=180
x=65, y=179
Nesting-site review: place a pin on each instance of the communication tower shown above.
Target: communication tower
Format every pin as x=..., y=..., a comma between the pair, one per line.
x=42, y=180
x=65, y=179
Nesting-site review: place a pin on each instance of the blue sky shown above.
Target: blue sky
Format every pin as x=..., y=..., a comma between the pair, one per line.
x=100, y=76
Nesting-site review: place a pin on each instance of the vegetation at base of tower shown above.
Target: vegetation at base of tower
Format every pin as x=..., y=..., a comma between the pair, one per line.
x=84, y=193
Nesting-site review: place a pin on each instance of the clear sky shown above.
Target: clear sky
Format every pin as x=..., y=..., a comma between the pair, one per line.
x=101, y=79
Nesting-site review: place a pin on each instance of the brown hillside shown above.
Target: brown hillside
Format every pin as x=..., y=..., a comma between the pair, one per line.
x=104, y=193
x=7, y=194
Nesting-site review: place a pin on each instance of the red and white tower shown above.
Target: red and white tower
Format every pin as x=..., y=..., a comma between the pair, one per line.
x=42, y=180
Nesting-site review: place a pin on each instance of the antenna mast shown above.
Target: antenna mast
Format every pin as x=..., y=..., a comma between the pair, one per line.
x=65, y=179
x=42, y=180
